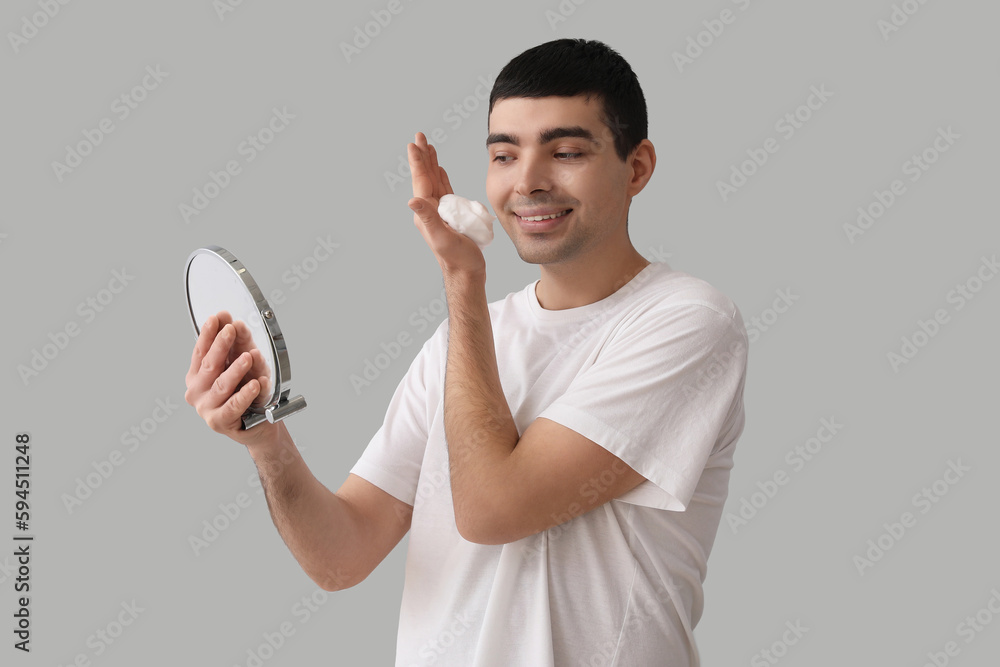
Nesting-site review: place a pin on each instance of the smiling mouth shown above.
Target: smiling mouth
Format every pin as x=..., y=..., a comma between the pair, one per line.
x=542, y=218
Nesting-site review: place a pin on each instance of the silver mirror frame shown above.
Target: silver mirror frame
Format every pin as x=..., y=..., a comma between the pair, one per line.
x=280, y=405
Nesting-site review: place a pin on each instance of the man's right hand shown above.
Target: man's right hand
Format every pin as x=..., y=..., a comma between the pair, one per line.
x=227, y=374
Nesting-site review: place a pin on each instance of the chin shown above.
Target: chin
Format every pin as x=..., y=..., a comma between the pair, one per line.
x=531, y=259
x=551, y=255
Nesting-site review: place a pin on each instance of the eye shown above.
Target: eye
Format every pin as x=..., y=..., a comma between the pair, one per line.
x=568, y=155
x=502, y=159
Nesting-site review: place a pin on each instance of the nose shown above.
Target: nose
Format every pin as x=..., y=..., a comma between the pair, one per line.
x=534, y=174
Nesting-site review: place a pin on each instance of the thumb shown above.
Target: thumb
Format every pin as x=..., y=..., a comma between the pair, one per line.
x=425, y=210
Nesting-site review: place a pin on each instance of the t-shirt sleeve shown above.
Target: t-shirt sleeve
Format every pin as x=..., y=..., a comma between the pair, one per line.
x=393, y=457
x=658, y=395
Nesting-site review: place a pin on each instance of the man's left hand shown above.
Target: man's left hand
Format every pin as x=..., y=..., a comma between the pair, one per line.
x=456, y=253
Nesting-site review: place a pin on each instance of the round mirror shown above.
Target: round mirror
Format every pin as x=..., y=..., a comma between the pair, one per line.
x=215, y=281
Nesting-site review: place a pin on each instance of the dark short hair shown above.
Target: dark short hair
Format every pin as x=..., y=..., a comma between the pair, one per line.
x=569, y=67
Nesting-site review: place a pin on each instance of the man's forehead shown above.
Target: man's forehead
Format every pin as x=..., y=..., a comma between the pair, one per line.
x=518, y=120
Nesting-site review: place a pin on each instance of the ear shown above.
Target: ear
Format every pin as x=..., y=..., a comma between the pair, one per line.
x=641, y=163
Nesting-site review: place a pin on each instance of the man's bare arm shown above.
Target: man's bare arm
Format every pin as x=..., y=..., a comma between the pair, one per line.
x=337, y=538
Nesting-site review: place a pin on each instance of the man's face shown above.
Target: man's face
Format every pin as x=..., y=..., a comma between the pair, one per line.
x=548, y=156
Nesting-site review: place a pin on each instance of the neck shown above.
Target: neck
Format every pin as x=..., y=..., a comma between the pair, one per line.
x=575, y=284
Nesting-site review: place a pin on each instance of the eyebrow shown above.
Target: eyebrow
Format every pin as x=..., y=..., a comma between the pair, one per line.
x=544, y=137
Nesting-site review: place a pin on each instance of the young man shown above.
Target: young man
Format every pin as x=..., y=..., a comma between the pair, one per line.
x=560, y=457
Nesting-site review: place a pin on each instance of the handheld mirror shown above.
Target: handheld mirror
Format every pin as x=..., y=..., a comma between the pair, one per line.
x=214, y=280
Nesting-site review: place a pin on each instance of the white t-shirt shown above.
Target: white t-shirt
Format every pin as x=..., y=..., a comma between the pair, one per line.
x=655, y=374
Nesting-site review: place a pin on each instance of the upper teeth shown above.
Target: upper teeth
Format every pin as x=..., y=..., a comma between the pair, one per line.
x=539, y=218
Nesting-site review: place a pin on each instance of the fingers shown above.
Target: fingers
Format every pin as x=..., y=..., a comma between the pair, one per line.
x=442, y=186
x=214, y=361
x=434, y=172
x=429, y=178
x=445, y=182
x=218, y=390
x=244, y=339
x=246, y=343
x=229, y=379
x=259, y=367
x=209, y=330
x=229, y=416
x=422, y=186
x=259, y=370
x=224, y=318
x=203, y=376
x=223, y=404
x=204, y=342
x=424, y=213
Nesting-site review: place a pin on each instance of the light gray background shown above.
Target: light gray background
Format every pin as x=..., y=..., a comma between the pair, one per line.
x=324, y=176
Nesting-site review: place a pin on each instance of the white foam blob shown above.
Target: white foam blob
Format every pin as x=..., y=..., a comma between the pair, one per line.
x=468, y=217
